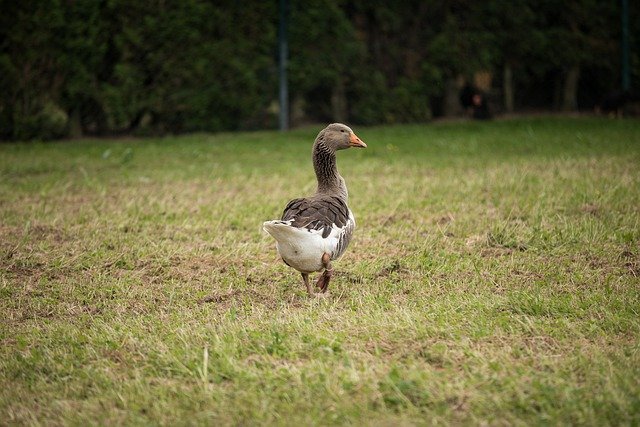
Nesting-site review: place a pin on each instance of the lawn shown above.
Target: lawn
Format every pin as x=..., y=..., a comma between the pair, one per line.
x=493, y=278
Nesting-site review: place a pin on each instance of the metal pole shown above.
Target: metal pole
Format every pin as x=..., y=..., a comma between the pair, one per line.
x=626, y=80
x=282, y=64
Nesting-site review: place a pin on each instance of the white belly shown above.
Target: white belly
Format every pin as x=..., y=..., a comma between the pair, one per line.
x=303, y=256
x=300, y=248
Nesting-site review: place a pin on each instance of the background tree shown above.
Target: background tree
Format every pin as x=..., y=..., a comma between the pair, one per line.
x=69, y=68
x=325, y=55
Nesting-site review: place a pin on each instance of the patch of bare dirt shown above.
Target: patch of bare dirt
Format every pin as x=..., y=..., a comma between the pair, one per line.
x=633, y=267
x=590, y=208
x=13, y=240
x=394, y=267
x=446, y=219
x=631, y=262
x=526, y=274
x=349, y=277
x=218, y=298
x=496, y=251
x=394, y=217
x=271, y=299
x=27, y=276
x=476, y=240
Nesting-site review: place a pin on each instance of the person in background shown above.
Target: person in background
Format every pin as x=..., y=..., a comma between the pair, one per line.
x=474, y=102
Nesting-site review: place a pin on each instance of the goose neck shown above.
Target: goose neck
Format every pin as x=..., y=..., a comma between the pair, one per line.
x=324, y=164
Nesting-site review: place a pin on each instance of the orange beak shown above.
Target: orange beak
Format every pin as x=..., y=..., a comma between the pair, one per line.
x=354, y=141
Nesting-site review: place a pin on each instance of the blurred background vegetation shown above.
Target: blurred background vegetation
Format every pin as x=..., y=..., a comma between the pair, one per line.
x=70, y=68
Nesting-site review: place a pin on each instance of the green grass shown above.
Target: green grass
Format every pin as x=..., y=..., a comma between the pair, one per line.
x=493, y=278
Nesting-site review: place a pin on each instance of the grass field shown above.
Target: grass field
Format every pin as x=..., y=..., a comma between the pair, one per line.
x=493, y=278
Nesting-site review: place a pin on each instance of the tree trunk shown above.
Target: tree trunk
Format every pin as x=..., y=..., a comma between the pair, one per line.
x=558, y=82
x=339, y=101
x=296, y=112
x=507, y=88
x=75, y=126
x=451, y=103
x=570, y=90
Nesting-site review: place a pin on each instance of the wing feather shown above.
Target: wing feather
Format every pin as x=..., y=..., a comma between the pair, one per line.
x=319, y=213
x=344, y=237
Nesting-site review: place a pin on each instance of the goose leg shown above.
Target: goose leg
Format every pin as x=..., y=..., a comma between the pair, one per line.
x=305, y=277
x=325, y=277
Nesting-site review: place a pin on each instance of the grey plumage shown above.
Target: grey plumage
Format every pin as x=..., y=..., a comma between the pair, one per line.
x=320, y=212
x=315, y=230
x=328, y=207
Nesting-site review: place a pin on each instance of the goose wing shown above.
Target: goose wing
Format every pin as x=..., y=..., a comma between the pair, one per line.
x=327, y=214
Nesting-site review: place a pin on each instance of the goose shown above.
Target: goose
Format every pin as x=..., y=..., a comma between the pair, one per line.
x=316, y=230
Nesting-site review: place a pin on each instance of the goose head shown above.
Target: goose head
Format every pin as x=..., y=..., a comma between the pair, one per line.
x=337, y=136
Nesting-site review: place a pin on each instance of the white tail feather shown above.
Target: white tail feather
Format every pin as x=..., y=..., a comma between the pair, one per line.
x=302, y=249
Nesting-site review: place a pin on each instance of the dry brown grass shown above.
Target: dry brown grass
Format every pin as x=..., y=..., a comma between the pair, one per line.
x=493, y=279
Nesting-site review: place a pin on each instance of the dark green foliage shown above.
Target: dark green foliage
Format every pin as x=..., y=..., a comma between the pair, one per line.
x=190, y=66
x=69, y=68
x=116, y=66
